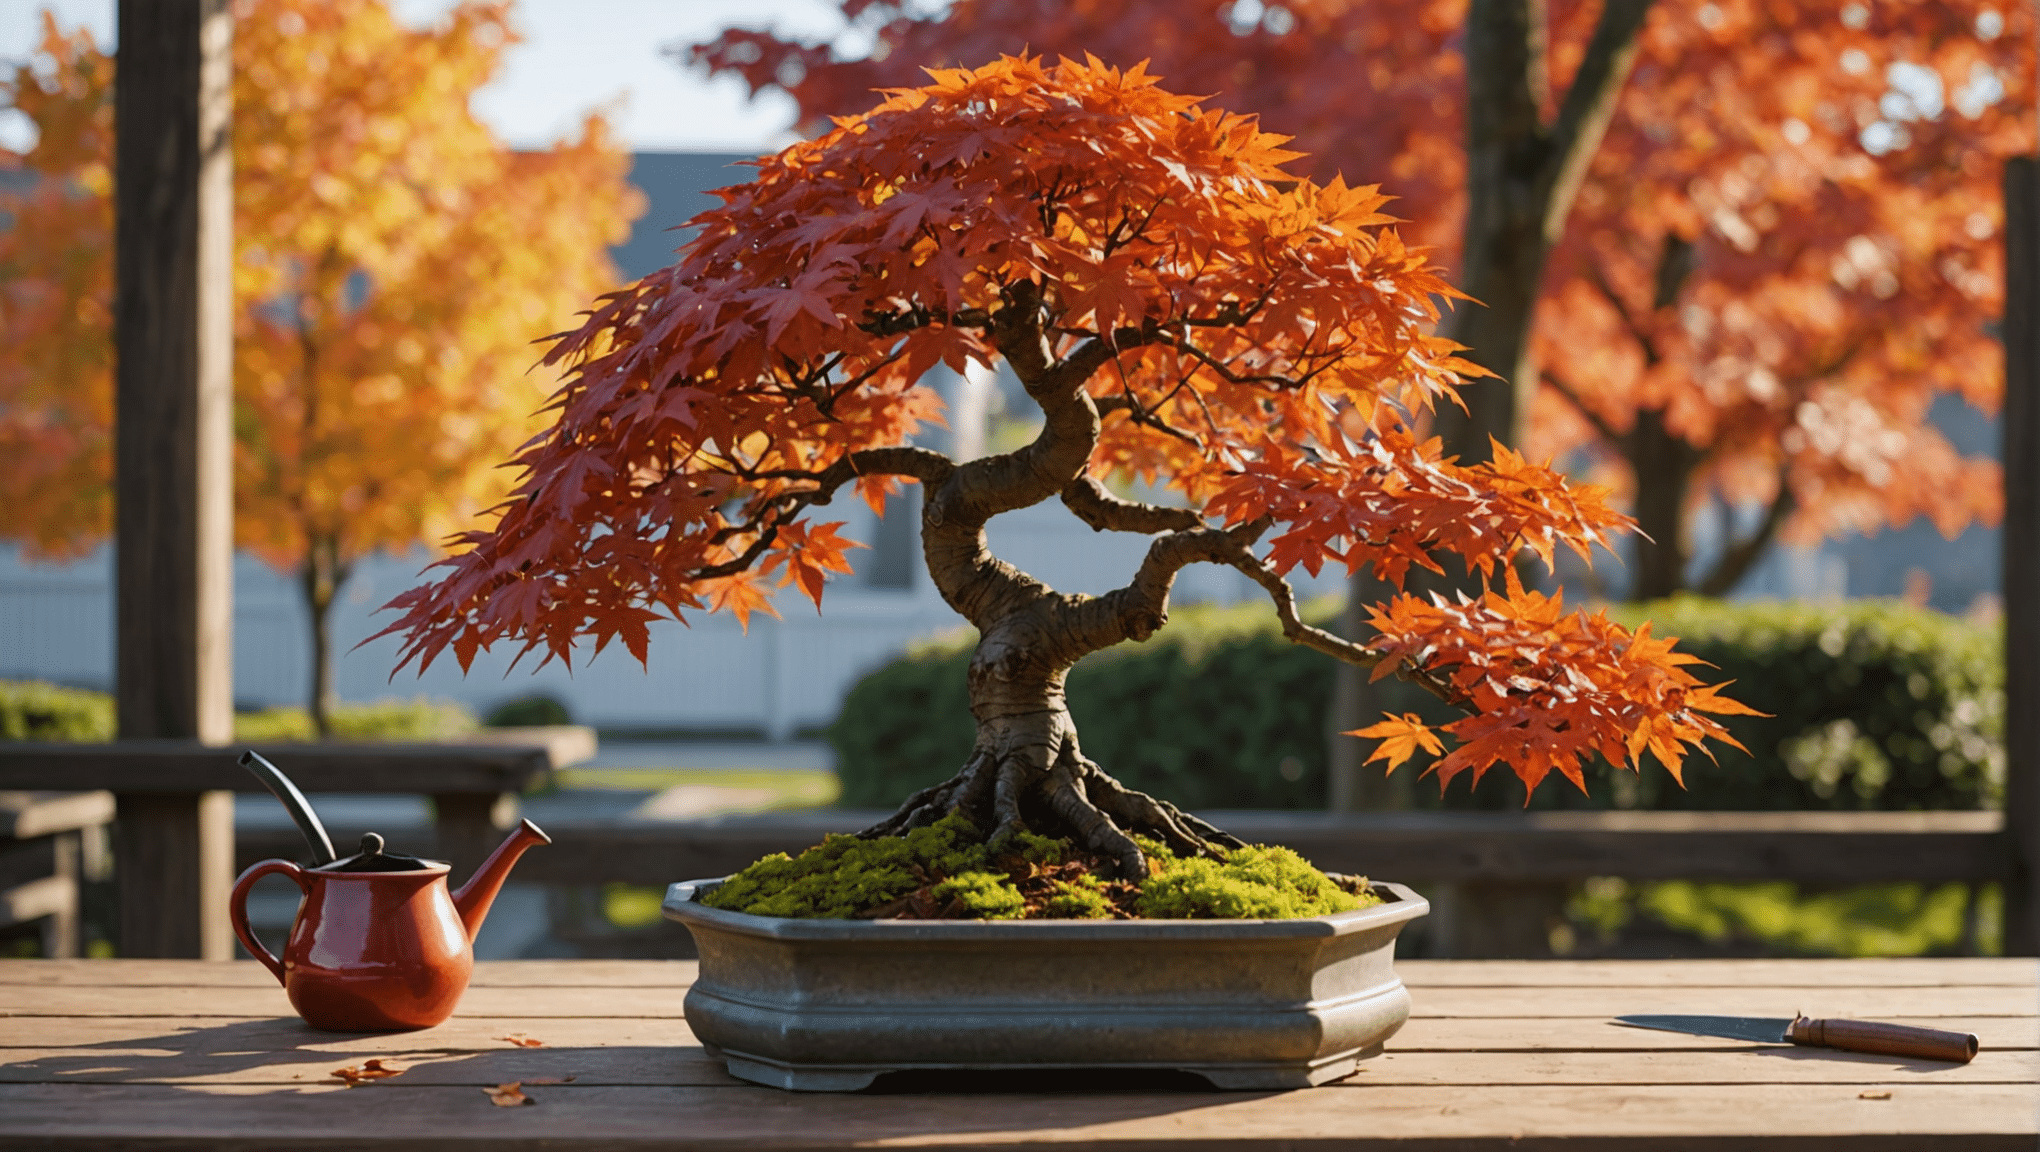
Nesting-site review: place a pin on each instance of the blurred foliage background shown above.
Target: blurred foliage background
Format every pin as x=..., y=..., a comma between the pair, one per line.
x=34, y=710
x=1876, y=705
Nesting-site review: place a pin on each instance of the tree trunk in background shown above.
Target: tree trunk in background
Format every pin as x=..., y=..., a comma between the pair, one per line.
x=322, y=577
x=1521, y=175
x=1663, y=465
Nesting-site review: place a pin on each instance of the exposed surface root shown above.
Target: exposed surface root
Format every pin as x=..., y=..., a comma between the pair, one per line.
x=1028, y=774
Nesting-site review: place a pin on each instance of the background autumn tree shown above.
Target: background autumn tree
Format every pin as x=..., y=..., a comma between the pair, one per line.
x=394, y=263
x=1784, y=255
x=1182, y=309
x=1722, y=229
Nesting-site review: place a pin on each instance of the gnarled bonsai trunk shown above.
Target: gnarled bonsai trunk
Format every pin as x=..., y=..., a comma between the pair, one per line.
x=1027, y=769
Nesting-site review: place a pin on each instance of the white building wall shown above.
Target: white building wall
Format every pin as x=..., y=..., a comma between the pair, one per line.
x=56, y=623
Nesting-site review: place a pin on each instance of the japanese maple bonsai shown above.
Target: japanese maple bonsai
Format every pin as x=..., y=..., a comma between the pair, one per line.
x=1184, y=312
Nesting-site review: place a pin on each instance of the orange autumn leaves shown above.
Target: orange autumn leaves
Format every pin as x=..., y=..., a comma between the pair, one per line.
x=1825, y=174
x=394, y=262
x=794, y=331
x=1274, y=341
x=1550, y=689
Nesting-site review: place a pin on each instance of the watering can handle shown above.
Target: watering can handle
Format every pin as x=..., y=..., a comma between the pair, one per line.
x=237, y=908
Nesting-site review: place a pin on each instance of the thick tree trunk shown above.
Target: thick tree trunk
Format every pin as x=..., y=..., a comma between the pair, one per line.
x=1521, y=174
x=321, y=579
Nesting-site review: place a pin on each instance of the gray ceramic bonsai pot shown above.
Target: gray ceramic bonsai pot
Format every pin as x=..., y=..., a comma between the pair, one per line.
x=828, y=1005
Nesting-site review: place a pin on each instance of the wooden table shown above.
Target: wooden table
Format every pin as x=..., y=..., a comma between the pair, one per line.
x=1518, y=1054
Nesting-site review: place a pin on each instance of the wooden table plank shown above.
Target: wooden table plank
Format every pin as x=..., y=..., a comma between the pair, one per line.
x=231, y=1118
x=691, y=1065
x=2022, y=972
x=464, y=1033
x=248, y=974
x=288, y=1033
x=1486, y=1001
x=1534, y=1034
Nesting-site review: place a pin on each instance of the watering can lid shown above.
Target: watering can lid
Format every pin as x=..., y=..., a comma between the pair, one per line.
x=372, y=858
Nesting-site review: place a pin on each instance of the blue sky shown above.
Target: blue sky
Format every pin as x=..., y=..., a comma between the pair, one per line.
x=576, y=55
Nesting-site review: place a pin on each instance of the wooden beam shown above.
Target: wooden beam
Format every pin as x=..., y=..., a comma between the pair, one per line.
x=187, y=766
x=173, y=391
x=1807, y=847
x=2021, y=573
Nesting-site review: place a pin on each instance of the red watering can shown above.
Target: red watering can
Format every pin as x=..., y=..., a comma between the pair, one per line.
x=379, y=943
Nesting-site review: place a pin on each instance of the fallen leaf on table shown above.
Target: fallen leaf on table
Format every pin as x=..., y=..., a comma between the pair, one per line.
x=521, y=1040
x=509, y=1095
x=550, y=1080
x=1881, y=1094
x=368, y=1070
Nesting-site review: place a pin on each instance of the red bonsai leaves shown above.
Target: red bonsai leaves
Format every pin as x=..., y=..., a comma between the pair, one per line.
x=708, y=404
x=1260, y=343
x=1551, y=688
x=1392, y=502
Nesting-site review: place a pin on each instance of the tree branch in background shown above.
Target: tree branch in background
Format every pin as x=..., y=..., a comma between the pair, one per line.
x=1741, y=555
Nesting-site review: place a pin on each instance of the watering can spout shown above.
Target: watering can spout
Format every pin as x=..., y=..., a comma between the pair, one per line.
x=473, y=898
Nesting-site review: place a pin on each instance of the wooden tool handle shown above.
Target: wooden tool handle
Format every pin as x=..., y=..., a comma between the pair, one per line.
x=1884, y=1039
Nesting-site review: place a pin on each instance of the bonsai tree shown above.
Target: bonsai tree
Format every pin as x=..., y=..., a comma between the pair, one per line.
x=1184, y=312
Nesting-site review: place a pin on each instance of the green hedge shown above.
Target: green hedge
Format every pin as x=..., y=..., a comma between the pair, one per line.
x=33, y=710
x=415, y=719
x=1877, y=705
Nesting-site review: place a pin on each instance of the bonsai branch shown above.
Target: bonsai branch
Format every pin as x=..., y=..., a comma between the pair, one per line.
x=1104, y=512
x=1317, y=639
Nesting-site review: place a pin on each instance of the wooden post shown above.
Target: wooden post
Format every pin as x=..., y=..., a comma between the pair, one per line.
x=2021, y=419
x=173, y=338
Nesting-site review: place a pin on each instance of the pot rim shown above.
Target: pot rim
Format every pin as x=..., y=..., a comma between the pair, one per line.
x=682, y=904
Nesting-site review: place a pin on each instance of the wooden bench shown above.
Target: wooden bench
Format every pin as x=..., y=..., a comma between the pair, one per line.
x=45, y=856
x=174, y=831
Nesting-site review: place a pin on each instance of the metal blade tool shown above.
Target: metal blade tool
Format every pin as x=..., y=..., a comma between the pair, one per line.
x=1846, y=1035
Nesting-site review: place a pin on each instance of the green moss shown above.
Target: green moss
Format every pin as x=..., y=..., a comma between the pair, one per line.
x=1079, y=900
x=984, y=895
x=843, y=875
x=1258, y=882
x=945, y=871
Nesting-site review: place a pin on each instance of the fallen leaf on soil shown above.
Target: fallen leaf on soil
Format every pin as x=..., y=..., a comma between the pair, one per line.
x=509, y=1095
x=365, y=1072
x=521, y=1040
x=1882, y=1094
